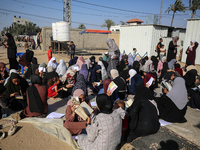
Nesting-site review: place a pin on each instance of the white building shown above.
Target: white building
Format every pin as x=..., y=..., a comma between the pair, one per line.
x=20, y=20
x=145, y=37
x=115, y=28
x=192, y=33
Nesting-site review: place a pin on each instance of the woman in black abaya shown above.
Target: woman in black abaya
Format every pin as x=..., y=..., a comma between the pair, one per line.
x=11, y=51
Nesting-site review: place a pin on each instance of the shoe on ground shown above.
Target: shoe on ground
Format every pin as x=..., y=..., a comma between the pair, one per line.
x=2, y=135
x=12, y=130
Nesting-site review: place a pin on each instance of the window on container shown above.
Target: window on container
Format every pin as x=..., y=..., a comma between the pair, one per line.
x=117, y=29
x=169, y=33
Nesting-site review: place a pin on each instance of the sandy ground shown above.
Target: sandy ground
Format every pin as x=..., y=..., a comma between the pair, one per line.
x=29, y=137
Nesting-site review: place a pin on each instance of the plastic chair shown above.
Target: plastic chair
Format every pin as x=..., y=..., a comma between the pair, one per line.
x=19, y=55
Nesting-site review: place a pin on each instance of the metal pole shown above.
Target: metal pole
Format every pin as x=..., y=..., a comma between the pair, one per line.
x=161, y=8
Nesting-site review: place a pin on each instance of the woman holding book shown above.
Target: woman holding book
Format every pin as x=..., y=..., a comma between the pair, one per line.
x=114, y=96
x=104, y=131
x=14, y=96
x=172, y=105
x=74, y=123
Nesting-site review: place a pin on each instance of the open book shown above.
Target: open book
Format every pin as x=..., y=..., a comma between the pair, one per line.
x=112, y=87
x=19, y=97
x=83, y=110
x=166, y=85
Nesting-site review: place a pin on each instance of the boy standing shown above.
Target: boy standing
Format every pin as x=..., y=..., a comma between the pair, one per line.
x=72, y=48
x=134, y=53
x=50, y=53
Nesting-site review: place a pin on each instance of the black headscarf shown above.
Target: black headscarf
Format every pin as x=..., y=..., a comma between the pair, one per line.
x=12, y=88
x=164, y=70
x=143, y=92
x=35, y=102
x=190, y=78
x=155, y=62
x=31, y=68
x=29, y=55
x=124, y=74
x=96, y=77
x=168, y=75
x=10, y=41
x=136, y=66
x=104, y=103
x=121, y=66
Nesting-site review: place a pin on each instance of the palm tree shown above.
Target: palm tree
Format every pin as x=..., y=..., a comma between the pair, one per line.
x=193, y=6
x=81, y=26
x=108, y=23
x=178, y=6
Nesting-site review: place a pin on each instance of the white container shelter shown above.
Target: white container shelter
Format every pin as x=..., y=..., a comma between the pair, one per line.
x=145, y=38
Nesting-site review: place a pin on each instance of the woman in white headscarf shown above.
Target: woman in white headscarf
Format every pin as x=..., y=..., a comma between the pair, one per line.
x=11, y=71
x=114, y=53
x=134, y=81
x=191, y=52
x=103, y=71
x=171, y=64
x=53, y=63
x=173, y=104
x=62, y=68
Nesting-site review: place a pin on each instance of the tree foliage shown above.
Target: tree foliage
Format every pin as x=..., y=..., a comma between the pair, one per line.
x=194, y=5
x=177, y=6
x=108, y=23
x=18, y=29
x=81, y=26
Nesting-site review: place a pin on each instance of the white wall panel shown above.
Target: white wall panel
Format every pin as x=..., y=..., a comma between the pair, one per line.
x=192, y=33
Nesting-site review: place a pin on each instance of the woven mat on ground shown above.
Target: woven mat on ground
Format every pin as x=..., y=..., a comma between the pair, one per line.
x=164, y=139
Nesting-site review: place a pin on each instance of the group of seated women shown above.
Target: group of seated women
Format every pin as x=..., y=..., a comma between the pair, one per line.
x=112, y=120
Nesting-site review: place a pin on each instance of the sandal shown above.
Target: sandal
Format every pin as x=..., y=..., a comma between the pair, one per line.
x=12, y=130
x=2, y=135
x=7, y=123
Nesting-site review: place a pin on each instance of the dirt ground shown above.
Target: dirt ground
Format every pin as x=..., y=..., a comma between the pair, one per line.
x=29, y=137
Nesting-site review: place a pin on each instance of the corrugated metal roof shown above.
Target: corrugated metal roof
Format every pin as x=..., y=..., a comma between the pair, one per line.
x=152, y=25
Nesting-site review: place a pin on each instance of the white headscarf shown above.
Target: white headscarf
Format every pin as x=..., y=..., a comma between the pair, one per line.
x=54, y=65
x=132, y=73
x=178, y=93
x=114, y=73
x=11, y=71
x=191, y=46
x=103, y=70
x=88, y=61
x=62, y=68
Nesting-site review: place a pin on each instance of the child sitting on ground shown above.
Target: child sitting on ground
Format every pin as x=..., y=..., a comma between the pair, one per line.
x=53, y=88
x=120, y=103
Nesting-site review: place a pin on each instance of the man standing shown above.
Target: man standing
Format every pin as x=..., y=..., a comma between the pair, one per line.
x=158, y=47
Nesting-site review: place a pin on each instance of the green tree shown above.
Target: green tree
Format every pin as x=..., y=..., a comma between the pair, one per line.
x=177, y=6
x=108, y=23
x=81, y=26
x=18, y=29
x=193, y=6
